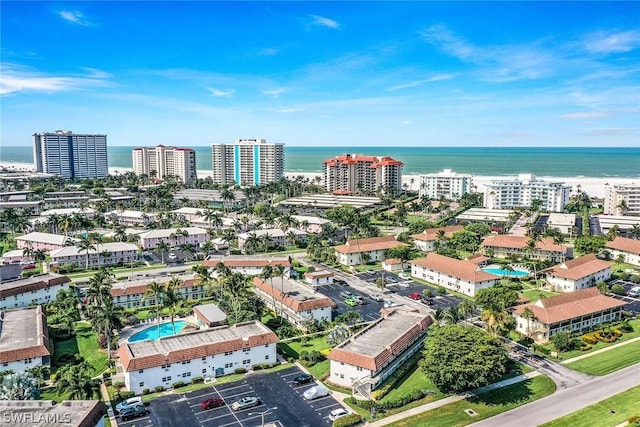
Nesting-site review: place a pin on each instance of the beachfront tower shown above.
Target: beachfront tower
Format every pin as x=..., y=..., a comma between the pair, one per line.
x=247, y=162
x=366, y=175
x=70, y=155
x=446, y=184
x=161, y=162
x=622, y=199
x=520, y=192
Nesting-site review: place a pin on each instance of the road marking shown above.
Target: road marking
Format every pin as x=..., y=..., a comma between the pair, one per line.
x=328, y=406
x=226, y=397
x=288, y=375
x=232, y=388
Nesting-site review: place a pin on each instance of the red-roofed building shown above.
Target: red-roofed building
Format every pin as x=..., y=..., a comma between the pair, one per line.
x=24, y=339
x=318, y=278
x=628, y=248
x=574, y=311
x=457, y=275
x=504, y=246
x=352, y=252
x=353, y=173
x=579, y=273
x=427, y=241
x=249, y=266
x=368, y=358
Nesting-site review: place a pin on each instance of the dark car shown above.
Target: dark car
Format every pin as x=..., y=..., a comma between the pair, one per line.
x=426, y=301
x=212, y=403
x=302, y=379
x=346, y=294
x=29, y=267
x=416, y=296
x=133, y=412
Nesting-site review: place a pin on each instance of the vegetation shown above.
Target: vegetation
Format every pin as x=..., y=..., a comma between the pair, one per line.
x=19, y=386
x=609, y=361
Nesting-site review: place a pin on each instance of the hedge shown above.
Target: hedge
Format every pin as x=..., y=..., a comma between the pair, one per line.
x=146, y=391
x=178, y=384
x=348, y=420
x=196, y=380
x=240, y=371
x=590, y=339
x=390, y=404
x=159, y=388
x=124, y=395
x=585, y=347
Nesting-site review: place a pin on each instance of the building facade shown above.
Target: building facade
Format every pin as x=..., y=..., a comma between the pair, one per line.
x=247, y=162
x=622, y=199
x=208, y=353
x=358, y=174
x=446, y=184
x=520, y=192
x=161, y=162
x=628, y=248
x=249, y=266
x=103, y=254
x=580, y=273
x=39, y=289
x=362, y=251
x=131, y=293
x=429, y=239
x=505, y=246
x=69, y=155
x=174, y=237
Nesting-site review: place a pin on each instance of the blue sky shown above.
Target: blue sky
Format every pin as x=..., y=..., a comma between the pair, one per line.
x=325, y=73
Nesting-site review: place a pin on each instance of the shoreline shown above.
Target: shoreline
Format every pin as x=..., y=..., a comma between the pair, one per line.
x=593, y=186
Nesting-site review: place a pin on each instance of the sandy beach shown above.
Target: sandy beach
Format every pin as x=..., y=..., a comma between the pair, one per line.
x=594, y=187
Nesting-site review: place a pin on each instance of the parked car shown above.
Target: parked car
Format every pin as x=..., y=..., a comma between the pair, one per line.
x=28, y=267
x=132, y=401
x=634, y=292
x=416, y=296
x=351, y=302
x=404, y=276
x=316, y=392
x=212, y=403
x=133, y=412
x=426, y=301
x=340, y=282
x=389, y=303
x=360, y=300
x=346, y=294
x=338, y=413
x=302, y=379
x=172, y=255
x=376, y=297
x=245, y=403
x=392, y=279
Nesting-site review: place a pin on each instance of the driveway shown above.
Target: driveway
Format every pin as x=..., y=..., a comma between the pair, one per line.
x=280, y=401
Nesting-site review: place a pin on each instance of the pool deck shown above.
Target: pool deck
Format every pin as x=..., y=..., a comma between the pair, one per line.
x=128, y=331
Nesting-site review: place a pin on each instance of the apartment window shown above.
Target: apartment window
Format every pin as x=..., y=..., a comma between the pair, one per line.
x=204, y=371
x=165, y=379
x=228, y=365
x=141, y=384
x=342, y=376
x=204, y=358
x=360, y=369
x=228, y=353
x=266, y=357
x=141, y=371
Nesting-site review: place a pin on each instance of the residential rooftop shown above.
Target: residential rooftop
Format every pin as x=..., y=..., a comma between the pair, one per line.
x=368, y=245
x=579, y=267
x=325, y=201
x=48, y=413
x=31, y=284
x=295, y=295
x=23, y=334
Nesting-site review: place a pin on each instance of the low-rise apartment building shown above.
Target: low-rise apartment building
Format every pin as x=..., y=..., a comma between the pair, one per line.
x=211, y=353
x=360, y=251
x=44, y=241
x=88, y=212
x=628, y=248
x=104, y=254
x=249, y=266
x=311, y=224
x=174, y=237
x=131, y=293
x=24, y=339
x=276, y=237
x=579, y=273
x=318, y=278
x=429, y=239
x=130, y=218
x=504, y=246
x=296, y=302
x=364, y=361
x=457, y=275
x=574, y=311
x=562, y=222
x=39, y=289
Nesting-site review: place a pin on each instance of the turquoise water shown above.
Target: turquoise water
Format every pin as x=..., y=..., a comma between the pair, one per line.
x=151, y=333
x=508, y=273
x=484, y=161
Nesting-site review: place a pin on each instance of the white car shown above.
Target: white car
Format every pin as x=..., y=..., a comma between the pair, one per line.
x=316, y=392
x=338, y=413
x=376, y=297
x=172, y=256
x=404, y=276
x=132, y=401
x=245, y=403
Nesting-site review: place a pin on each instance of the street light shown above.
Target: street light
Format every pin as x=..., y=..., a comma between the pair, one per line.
x=263, y=413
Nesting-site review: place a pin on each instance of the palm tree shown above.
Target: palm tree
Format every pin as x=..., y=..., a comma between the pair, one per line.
x=120, y=234
x=267, y=274
x=278, y=271
x=76, y=381
x=19, y=386
x=155, y=291
x=27, y=252
x=497, y=321
x=252, y=243
x=237, y=287
x=466, y=308
x=452, y=315
x=86, y=245
x=528, y=314
x=108, y=318
x=99, y=288
x=172, y=298
x=162, y=247
x=560, y=240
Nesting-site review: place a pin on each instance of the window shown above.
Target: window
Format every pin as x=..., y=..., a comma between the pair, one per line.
x=204, y=371
x=141, y=371
x=342, y=376
x=165, y=379
x=204, y=359
x=141, y=384
x=266, y=357
x=228, y=365
x=246, y=361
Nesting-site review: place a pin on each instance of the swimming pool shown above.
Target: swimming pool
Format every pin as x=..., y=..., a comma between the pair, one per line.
x=151, y=333
x=508, y=273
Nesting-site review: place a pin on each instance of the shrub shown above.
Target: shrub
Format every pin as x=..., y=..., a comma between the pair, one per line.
x=265, y=365
x=146, y=391
x=197, y=380
x=240, y=371
x=625, y=326
x=118, y=385
x=256, y=367
x=348, y=420
x=389, y=404
x=618, y=289
x=159, y=389
x=178, y=384
x=441, y=290
x=396, y=376
x=590, y=339
x=124, y=395
x=585, y=347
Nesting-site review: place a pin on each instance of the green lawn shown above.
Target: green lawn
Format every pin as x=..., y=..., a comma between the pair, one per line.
x=320, y=369
x=84, y=343
x=486, y=405
x=608, y=361
x=416, y=380
x=609, y=412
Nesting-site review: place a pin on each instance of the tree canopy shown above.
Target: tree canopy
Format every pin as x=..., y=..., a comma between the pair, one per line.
x=496, y=298
x=459, y=358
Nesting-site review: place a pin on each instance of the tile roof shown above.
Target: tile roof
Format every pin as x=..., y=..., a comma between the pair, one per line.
x=52, y=239
x=462, y=269
x=31, y=284
x=478, y=258
x=320, y=274
x=431, y=234
x=208, y=342
x=381, y=342
x=296, y=296
x=567, y=306
x=23, y=334
x=139, y=286
x=625, y=245
x=520, y=242
x=247, y=262
x=579, y=267
x=368, y=245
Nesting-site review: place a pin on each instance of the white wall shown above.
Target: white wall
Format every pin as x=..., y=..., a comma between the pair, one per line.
x=21, y=365
x=452, y=283
x=38, y=297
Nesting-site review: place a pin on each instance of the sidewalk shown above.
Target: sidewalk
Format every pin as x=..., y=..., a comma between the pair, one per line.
x=105, y=397
x=451, y=399
x=602, y=350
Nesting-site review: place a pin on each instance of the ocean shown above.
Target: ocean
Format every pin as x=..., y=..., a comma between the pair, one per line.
x=485, y=161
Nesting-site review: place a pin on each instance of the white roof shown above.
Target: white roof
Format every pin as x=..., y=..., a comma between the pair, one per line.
x=130, y=214
x=68, y=211
x=273, y=232
x=54, y=239
x=310, y=219
x=189, y=211
x=105, y=247
x=13, y=253
x=166, y=232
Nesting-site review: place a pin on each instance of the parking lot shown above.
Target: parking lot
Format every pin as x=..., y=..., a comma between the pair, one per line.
x=369, y=311
x=633, y=303
x=280, y=401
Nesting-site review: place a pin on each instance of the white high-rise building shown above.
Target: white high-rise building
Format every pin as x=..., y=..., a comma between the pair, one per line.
x=248, y=162
x=520, y=192
x=353, y=173
x=622, y=199
x=162, y=162
x=446, y=184
x=69, y=155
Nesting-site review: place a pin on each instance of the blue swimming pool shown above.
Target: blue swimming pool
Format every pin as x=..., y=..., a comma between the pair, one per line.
x=508, y=273
x=153, y=332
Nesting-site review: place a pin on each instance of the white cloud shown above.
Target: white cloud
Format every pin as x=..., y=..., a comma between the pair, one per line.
x=416, y=83
x=268, y=52
x=74, y=17
x=15, y=78
x=405, y=122
x=611, y=131
x=441, y=36
x=321, y=21
x=612, y=42
x=221, y=93
x=290, y=110
x=585, y=115
x=275, y=92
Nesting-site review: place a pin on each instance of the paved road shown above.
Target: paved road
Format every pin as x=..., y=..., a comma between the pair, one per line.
x=566, y=401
